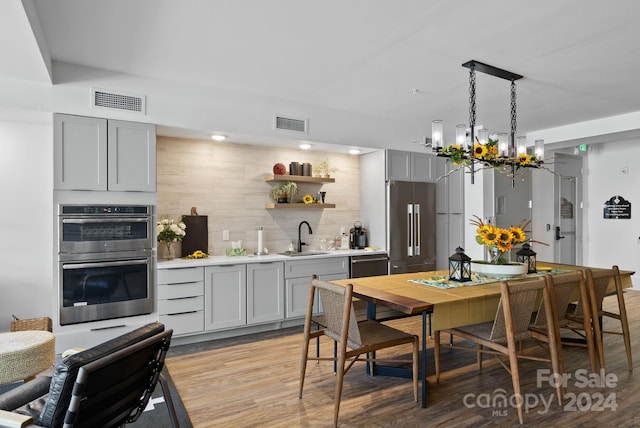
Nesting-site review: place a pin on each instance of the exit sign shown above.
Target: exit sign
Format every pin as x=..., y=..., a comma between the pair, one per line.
x=583, y=147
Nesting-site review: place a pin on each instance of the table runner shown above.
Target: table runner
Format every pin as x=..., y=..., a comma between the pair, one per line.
x=443, y=282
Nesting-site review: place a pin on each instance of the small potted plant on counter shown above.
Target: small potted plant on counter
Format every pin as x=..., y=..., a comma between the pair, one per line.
x=283, y=192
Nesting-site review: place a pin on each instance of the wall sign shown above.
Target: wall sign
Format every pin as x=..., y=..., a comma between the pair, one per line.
x=617, y=208
x=566, y=208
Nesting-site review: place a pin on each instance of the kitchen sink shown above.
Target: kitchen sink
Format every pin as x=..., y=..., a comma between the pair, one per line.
x=304, y=253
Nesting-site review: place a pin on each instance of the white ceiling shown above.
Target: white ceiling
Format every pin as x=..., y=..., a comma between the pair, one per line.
x=579, y=58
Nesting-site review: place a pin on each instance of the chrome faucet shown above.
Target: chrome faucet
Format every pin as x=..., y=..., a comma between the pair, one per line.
x=300, y=243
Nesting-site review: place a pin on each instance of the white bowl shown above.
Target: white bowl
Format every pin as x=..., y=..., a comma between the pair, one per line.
x=498, y=271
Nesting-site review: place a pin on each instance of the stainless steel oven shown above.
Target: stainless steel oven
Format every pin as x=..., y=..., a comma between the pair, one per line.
x=104, y=228
x=105, y=262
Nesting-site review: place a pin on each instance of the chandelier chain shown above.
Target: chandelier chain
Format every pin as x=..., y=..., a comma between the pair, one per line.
x=514, y=122
x=472, y=97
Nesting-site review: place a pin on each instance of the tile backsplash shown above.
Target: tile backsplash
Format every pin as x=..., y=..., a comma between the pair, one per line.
x=225, y=181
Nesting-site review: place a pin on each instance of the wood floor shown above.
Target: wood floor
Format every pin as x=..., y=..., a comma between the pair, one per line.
x=253, y=382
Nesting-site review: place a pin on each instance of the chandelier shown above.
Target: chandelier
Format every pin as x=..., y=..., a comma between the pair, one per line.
x=477, y=149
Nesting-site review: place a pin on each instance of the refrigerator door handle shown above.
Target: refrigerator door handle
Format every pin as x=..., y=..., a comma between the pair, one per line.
x=410, y=234
x=416, y=235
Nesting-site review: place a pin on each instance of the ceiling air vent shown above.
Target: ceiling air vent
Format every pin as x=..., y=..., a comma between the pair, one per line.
x=290, y=124
x=117, y=101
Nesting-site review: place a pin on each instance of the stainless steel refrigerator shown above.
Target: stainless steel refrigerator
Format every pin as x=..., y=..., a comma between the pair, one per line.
x=411, y=226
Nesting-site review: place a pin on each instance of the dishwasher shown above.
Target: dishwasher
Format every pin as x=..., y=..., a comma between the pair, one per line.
x=369, y=265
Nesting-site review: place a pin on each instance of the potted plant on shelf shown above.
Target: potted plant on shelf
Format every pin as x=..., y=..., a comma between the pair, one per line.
x=323, y=169
x=283, y=192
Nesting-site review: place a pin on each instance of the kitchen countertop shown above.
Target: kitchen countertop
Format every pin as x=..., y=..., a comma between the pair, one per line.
x=225, y=260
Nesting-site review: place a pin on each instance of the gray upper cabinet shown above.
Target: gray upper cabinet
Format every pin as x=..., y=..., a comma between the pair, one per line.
x=99, y=154
x=409, y=166
x=132, y=156
x=80, y=153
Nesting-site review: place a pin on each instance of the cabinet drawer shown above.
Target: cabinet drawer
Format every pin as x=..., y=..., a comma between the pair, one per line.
x=191, y=322
x=321, y=266
x=186, y=304
x=170, y=276
x=183, y=289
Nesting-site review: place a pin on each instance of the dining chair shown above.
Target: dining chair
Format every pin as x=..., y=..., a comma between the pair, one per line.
x=509, y=327
x=598, y=283
x=353, y=338
x=567, y=305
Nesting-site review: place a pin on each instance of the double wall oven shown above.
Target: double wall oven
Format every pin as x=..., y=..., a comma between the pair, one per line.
x=106, y=263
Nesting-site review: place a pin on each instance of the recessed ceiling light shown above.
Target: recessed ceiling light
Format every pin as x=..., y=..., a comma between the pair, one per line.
x=354, y=151
x=305, y=146
x=218, y=137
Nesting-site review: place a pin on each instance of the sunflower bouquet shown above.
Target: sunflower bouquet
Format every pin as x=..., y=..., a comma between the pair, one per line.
x=487, y=154
x=499, y=240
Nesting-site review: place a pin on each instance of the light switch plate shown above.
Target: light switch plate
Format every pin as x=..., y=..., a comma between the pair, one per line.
x=225, y=235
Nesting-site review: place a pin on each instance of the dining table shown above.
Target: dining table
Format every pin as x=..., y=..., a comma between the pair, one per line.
x=443, y=303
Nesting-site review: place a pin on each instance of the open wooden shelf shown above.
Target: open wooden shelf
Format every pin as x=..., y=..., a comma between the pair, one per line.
x=299, y=179
x=295, y=205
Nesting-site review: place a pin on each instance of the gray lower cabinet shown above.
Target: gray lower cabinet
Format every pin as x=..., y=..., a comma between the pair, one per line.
x=225, y=293
x=181, y=299
x=203, y=299
x=243, y=294
x=298, y=275
x=265, y=292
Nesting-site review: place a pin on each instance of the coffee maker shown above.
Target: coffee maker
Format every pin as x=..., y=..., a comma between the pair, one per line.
x=357, y=236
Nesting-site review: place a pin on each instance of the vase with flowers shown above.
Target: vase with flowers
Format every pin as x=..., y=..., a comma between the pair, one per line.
x=499, y=242
x=170, y=231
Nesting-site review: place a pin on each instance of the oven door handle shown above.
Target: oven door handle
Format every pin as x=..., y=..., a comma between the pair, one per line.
x=103, y=264
x=104, y=220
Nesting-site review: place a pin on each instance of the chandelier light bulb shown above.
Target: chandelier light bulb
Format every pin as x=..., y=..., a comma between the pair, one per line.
x=483, y=136
x=521, y=146
x=436, y=134
x=503, y=144
x=539, y=149
x=461, y=136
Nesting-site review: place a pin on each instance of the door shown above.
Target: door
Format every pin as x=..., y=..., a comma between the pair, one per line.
x=412, y=219
x=132, y=161
x=424, y=203
x=400, y=211
x=567, y=212
x=225, y=292
x=265, y=292
x=80, y=153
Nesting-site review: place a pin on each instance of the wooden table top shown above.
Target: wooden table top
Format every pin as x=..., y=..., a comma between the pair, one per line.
x=451, y=307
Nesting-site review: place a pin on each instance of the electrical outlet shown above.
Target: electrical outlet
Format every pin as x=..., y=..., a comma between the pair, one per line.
x=225, y=235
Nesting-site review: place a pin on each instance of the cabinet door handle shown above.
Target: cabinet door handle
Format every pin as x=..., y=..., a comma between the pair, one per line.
x=182, y=313
x=377, y=259
x=108, y=328
x=416, y=231
x=183, y=298
x=410, y=230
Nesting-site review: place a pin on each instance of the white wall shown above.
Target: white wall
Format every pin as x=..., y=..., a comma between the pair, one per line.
x=609, y=241
x=26, y=177
x=226, y=183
